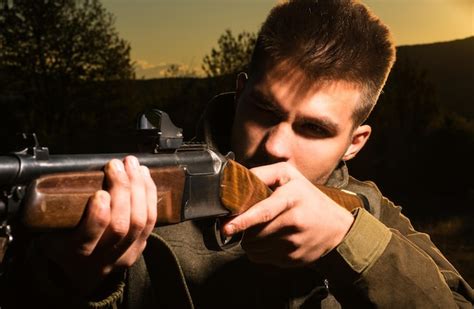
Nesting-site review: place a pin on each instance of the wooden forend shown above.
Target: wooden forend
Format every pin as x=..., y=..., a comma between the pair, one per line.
x=59, y=200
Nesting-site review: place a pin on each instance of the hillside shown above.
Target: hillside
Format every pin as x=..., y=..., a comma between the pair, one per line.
x=450, y=67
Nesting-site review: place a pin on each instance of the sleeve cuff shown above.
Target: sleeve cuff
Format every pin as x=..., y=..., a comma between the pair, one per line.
x=365, y=242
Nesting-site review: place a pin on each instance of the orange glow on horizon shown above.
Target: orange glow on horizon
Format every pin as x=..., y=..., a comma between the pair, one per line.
x=183, y=32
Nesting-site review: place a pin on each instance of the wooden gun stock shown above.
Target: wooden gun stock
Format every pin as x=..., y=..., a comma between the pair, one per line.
x=59, y=200
x=240, y=190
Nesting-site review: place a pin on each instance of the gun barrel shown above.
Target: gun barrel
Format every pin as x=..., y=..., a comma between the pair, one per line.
x=20, y=168
x=9, y=167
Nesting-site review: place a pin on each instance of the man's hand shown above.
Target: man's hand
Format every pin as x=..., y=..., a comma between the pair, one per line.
x=295, y=226
x=113, y=231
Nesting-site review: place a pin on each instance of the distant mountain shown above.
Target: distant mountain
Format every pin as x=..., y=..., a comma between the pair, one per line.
x=450, y=67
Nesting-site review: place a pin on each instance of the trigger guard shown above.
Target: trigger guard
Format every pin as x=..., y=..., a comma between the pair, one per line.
x=225, y=243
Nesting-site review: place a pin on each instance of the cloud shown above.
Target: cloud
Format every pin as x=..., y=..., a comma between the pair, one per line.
x=143, y=64
x=146, y=70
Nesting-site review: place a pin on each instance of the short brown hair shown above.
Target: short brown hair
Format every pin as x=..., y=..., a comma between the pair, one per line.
x=328, y=40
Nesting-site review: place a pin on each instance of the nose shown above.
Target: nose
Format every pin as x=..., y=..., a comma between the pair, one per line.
x=278, y=143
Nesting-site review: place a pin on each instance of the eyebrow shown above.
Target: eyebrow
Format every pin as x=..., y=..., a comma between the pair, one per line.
x=269, y=101
x=324, y=122
x=256, y=94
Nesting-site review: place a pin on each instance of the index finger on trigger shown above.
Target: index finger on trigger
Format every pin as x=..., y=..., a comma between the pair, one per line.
x=262, y=212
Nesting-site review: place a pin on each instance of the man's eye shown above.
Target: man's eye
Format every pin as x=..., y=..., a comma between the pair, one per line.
x=267, y=115
x=313, y=130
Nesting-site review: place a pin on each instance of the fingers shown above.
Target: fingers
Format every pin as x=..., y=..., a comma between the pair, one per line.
x=93, y=224
x=262, y=212
x=151, y=201
x=119, y=188
x=276, y=175
x=143, y=200
x=133, y=206
x=113, y=230
x=138, y=200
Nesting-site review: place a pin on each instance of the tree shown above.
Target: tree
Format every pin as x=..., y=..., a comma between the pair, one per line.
x=62, y=39
x=179, y=71
x=232, y=56
x=49, y=49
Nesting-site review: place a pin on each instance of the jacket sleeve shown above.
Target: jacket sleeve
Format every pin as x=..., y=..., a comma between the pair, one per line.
x=385, y=262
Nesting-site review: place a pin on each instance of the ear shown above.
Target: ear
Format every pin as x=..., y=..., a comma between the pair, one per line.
x=240, y=83
x=359, y=138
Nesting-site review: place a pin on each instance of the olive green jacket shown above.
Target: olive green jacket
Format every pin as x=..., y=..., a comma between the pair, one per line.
x=382, y=262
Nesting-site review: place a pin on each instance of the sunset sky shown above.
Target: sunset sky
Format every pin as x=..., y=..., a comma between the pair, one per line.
x=182, y=32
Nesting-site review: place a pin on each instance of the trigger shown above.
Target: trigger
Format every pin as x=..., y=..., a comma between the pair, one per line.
x=225, y=242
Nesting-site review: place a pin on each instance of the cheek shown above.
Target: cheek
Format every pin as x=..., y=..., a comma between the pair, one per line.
x=318, y=158
x=252, y=133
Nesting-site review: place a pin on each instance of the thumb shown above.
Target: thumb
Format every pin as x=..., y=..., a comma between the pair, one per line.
x=276, y=175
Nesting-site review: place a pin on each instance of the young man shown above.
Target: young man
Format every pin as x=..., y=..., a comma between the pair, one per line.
x=317, y=71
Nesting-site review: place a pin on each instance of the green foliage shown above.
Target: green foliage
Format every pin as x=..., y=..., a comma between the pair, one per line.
x=62, y=39
x=232, y=56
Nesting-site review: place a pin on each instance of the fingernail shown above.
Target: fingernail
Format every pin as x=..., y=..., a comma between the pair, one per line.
x=133, y=162
x=118, y=166
x=103, y=198
x=230, y=229
x=145, y=171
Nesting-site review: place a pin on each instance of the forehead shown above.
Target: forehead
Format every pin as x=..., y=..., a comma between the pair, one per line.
x=293, y=91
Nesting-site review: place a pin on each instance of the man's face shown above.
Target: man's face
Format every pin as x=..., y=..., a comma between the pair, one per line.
x=283, y=117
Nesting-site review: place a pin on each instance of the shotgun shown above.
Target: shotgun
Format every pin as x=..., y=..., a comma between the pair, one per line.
x=42, y=192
